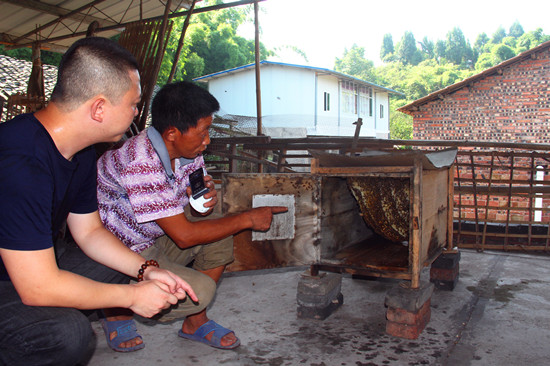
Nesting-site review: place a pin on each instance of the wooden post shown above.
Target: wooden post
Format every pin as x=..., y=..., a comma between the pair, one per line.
x=180, y=42
x=233, y=168
x=358, y=125
x=156, y=67
x=487, y=201
x=416, y=240
x=259, y=131
x=450, y=208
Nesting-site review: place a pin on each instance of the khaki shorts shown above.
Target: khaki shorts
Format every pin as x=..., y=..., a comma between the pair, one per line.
x=204, y=257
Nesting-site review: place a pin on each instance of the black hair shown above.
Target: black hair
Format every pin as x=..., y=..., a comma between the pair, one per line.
x=181, y=105
x=92, y=66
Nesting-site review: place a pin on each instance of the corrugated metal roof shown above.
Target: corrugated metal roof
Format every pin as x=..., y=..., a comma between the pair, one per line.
x=411, y=107
x=62, y=22
x=316, y=69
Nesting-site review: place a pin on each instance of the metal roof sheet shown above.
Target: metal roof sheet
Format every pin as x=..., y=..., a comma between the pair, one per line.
x=316, y=69
x=60, y=23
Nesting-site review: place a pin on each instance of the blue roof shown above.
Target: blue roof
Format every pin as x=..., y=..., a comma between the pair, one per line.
x=317, y=69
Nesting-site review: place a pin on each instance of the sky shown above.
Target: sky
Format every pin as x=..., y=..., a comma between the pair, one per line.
x=325, y=29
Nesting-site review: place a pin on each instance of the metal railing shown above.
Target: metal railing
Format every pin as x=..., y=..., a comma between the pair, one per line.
x=501, y=190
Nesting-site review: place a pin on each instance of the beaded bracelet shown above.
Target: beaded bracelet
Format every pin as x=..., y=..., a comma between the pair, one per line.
x=147, y=263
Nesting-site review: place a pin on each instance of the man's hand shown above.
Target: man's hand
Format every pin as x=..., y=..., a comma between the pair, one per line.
x=174, y=284
x=151, y=297
x=212, y=193
x=261, y=217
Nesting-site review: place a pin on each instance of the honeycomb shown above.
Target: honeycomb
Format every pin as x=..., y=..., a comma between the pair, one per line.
x=384, y=204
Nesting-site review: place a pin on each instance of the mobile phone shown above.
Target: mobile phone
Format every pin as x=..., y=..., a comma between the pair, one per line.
x=196, y=180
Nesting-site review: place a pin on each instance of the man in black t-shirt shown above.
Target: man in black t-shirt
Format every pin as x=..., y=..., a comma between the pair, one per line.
x=49, y=178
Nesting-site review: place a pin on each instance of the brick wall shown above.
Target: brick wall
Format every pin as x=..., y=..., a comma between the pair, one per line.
x=512, y=106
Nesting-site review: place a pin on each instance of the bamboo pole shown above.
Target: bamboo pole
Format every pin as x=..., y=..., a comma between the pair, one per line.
x=180, y=42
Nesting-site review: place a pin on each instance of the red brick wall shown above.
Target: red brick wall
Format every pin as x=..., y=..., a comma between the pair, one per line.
x=513, y=106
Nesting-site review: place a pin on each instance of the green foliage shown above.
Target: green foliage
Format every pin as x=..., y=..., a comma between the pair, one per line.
x=458, y=50
x=387, y=51
x=48, y=57
x=442, y=63
x=516, y=30
x=407, y=52
x=354, y=63
x=211, y=44
x=498, y=35
x=19, y=53
x=428, y=48
x=401, y=124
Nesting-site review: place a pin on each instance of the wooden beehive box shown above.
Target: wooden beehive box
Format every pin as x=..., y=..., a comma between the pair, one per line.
x=330, y=231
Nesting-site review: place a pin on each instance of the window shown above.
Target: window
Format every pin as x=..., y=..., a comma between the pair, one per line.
x=370, y=102
x=349, y=97
x=327, y=102
x=381, y=111
x=365, y=101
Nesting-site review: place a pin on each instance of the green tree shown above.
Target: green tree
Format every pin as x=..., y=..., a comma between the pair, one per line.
x=211, y=44
x=516, y=30
x=407, y=52
x=428, y=48
x=502, y=52
x=498, y=35
x=18, y=53
x=458, y=51
x=440, y=48
x=354, y=63
x=387, y=51
x=481, y=41
x=401, y=124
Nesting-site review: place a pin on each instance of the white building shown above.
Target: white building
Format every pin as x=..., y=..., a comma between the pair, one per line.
x=302, y=100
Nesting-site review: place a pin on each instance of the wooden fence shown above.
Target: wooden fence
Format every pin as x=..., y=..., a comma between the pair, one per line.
x=501, y=190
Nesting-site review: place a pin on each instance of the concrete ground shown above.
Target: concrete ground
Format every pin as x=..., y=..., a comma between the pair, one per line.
x=498, y=314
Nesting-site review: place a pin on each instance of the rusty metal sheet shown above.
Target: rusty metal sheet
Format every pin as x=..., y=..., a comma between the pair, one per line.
x=237, y=195
x=430, y=160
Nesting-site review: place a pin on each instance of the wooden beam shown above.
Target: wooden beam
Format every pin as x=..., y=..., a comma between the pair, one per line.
x=122, y=25
x=69, y=14
x=55, y=10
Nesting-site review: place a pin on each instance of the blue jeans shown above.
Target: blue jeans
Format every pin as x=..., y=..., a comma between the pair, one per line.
x=36, y=335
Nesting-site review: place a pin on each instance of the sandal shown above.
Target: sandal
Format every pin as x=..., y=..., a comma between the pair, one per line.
x=125, y=331
x=205, y=329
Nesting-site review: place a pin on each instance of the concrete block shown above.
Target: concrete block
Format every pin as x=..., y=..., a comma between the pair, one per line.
x=318, y=291
x=447, y=261
x=320, y=313
x=404, y=297
x=444, y=274
x=444, y=271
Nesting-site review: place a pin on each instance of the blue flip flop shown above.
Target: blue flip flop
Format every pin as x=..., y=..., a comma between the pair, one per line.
x=205, y=329
x=125, y=330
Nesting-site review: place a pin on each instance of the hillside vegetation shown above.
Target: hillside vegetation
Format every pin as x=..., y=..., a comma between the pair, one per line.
x=413, y=67
x=418, y=68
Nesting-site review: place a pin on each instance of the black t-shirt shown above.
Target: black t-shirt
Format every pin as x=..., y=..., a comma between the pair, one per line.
x=38, y=186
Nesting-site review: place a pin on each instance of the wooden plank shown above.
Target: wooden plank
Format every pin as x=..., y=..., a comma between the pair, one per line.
x=450, y=205
x=395, y=171
x=374, y=253
x=415, y=240
x=527, y=248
